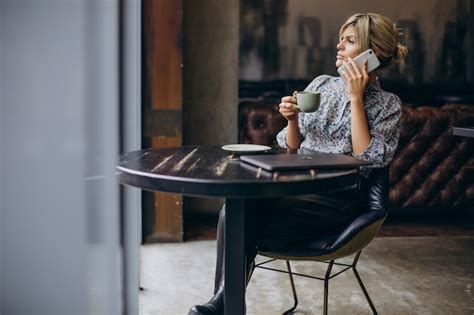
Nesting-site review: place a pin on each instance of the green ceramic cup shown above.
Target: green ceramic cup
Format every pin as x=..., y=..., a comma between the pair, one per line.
x=307, y=101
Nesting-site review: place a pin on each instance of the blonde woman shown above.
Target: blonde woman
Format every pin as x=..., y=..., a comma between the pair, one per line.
x=355, y=117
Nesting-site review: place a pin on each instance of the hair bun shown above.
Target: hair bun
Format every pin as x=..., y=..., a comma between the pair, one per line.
x=400, y=54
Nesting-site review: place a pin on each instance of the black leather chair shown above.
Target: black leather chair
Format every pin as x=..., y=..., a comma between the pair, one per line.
x=351, y=240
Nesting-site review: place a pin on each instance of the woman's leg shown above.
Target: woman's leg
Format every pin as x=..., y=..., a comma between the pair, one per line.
x=275, y=223
x=281, y=222
x=219, y=273
x=216, y=304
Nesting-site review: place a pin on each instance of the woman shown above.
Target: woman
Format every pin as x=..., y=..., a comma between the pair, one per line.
x=355, y=117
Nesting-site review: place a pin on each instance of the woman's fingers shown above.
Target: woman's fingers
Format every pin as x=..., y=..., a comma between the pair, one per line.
x=365, y=74
x=286, y=112
x=292, y=109
x=289, y=115
x=288, y=105
x=288, y=108
x=344, y=74
x=288, y=99
x=355, y=68
x=349, y=70
x=354, y=71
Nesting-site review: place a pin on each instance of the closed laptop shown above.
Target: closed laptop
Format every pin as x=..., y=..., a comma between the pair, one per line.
x=279, y=162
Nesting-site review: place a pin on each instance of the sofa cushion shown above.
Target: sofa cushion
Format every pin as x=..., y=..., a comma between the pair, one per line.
x=431, y=167
x=259, y=122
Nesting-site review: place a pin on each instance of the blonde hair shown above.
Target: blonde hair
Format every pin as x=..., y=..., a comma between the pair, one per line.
x=378, y=32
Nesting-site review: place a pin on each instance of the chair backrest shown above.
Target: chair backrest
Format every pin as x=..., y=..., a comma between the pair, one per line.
x=358, y=234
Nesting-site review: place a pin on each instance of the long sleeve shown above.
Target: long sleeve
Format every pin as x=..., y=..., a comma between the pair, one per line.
x=313, y=86
x=385, y=132
x=329, y=128
x=281, y=136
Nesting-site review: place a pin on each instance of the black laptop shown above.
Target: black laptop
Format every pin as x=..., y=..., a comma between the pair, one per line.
x=281, y=162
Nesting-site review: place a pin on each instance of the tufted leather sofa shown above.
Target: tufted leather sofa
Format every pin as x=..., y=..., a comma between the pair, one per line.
x=431, y=167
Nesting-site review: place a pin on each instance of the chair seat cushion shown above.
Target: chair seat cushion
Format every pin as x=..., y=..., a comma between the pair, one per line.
x=321, y=245
x=314, y=247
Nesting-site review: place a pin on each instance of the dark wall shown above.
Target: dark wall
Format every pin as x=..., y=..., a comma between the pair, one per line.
x=295, y=40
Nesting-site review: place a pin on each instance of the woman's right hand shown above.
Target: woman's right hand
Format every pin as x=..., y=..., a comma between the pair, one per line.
x=288, y=107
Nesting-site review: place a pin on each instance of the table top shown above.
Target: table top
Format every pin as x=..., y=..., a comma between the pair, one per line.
x=211, y=171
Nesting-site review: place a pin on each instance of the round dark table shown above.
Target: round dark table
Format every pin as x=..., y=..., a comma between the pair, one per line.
x=212, y=172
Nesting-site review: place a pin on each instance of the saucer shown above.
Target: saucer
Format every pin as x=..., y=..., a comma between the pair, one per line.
x=241, y=149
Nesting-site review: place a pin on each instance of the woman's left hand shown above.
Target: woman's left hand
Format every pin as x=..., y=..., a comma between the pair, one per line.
x=356, y=78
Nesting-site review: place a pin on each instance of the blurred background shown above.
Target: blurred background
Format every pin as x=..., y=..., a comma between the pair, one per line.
x=296, y=39
x=232, y=60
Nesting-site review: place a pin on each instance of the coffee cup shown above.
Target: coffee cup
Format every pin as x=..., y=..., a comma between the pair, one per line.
x=308, y=101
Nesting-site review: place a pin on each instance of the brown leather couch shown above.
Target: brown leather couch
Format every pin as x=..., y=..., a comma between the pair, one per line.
x=431, y=167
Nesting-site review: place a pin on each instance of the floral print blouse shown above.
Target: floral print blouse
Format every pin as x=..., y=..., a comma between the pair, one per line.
x=329, y=128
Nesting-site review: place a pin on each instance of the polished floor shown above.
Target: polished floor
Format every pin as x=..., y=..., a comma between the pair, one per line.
x=404, y=275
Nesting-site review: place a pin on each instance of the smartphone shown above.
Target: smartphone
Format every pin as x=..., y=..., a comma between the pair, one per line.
x=369, y=55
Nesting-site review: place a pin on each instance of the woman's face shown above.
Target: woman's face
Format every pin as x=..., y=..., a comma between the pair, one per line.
x=347, y=46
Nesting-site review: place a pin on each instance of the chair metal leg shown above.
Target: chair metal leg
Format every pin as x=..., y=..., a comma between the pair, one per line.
x=356, y=258
x=362, y=284
x=326, y=282
x=293, y=288
x=326, y=287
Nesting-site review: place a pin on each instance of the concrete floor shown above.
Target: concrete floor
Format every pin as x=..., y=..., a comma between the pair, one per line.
x=404, y=275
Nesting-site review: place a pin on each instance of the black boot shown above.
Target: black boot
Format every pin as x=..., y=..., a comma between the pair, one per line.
x=215, y=305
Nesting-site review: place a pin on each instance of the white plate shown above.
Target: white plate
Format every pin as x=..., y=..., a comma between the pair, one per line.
x=245, y=148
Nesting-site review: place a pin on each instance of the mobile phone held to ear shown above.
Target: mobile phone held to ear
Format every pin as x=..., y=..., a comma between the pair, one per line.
x=369, y=55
